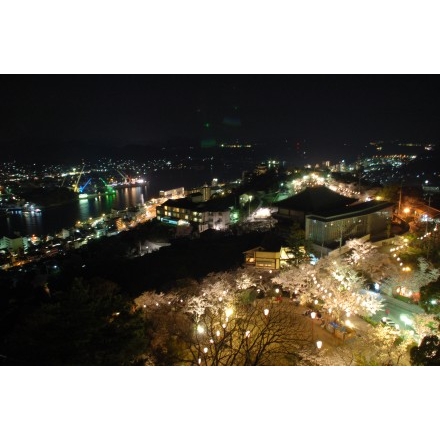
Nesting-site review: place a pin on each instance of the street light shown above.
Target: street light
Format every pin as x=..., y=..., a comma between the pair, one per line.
x=228, y=313
x=405, y=319
x=313, y=316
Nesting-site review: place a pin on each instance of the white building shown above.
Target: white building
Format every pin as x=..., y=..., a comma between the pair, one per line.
x=14, y=244
x=207, y=215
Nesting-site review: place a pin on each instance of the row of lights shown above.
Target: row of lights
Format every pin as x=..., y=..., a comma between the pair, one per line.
x=404, y=269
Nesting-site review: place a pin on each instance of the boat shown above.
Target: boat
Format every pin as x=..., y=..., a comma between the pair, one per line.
x=83, y=196
x=130, y=185
x=30, y=208
x=87, y=195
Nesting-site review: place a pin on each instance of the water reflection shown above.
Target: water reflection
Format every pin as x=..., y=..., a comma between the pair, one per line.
x=16, y=223
x=53, y=219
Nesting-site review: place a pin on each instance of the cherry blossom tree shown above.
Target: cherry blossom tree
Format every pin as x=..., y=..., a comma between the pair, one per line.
x=359, y=250
x=166, y=325
x=425, y=274
x=332, y=284
x=296, y=279
x=217, y=325
x=341, y=291
x=413, y=281
x=217, y=292
x=368, y=260
x=426, y=325
x=383, y=345
x=266, y=334
x=151, y=300
x=380, y=345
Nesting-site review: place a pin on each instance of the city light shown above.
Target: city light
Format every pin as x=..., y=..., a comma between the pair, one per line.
x=206, y=229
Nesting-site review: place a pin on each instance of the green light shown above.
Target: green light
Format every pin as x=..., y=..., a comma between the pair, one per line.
x=208, y=143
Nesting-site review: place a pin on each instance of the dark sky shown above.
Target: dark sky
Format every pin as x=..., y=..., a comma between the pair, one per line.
x=338, y=113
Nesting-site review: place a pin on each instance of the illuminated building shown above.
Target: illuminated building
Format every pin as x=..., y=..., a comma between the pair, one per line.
x=331, y=228
x=14, y=244
x=213, y=214
x=329, y=219
x=308, y=201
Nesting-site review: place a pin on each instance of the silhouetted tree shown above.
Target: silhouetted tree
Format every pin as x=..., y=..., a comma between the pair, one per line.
x=298, y=245
x=90, y=324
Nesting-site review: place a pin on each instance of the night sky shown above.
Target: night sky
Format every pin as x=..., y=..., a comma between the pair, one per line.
x=330, y=113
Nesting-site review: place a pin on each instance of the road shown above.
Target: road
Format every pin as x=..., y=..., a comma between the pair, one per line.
x=396, y=309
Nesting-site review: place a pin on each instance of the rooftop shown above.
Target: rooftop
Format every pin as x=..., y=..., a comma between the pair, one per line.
x=349, y=211
x=219, y=204
x=315, y=199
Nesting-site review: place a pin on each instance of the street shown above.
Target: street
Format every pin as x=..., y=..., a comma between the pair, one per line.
x=396, y=309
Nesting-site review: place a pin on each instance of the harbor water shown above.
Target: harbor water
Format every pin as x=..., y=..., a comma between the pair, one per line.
x=52, y=219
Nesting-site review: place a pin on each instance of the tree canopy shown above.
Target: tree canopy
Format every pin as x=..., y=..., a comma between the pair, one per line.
x=90, y=324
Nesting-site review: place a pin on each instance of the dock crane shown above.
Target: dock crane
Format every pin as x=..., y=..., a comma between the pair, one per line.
x=83, y=187
x=108, y=188
x=76, y=187
x=124, y=176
